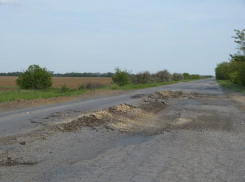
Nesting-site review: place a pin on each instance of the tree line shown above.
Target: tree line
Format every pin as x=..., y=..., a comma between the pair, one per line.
x=36, y=77
x=234, y=69
x=72, y=74
x=11, y=74
x=124, y=77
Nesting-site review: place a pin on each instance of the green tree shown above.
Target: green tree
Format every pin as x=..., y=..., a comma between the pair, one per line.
x=121, y=77
x=240, y=40
x=235, y=69
x=35, y=77
x=222, y=71
x=196, y=76
x=186, y=76
x=237, y=58
x=237, y=72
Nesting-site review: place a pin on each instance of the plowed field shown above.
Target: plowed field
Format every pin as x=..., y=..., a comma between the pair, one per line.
x=71, y=82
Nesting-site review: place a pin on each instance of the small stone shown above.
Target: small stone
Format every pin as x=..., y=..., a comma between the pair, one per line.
x=165, y=103
x=147, y=100
x=23, y=143
x=61, y=128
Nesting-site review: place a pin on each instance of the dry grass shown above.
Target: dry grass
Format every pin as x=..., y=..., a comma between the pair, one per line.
x=8, y=82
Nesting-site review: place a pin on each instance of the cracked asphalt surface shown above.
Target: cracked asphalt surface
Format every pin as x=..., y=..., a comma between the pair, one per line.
x=198, y=138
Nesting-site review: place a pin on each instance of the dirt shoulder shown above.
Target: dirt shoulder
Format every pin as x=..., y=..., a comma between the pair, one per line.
x=236, y=97
x=23, y=104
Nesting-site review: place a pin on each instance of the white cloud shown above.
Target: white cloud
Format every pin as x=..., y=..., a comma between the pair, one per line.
x=11, y=2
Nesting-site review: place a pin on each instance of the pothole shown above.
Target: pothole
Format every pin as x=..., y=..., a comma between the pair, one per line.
x=127, y=118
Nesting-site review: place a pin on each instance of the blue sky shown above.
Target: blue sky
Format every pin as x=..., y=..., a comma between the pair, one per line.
x=99, y=35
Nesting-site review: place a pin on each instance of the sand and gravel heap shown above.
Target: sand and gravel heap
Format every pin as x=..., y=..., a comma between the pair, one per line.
x=123, y=117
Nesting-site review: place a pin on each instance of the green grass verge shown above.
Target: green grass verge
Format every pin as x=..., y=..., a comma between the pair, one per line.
x=227, y=84
x=13, y=95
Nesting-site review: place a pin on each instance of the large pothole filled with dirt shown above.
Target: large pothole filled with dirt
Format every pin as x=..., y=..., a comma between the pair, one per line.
x=125, y=117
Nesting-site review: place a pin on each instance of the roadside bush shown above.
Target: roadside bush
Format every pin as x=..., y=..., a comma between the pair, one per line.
x=154, y=78
x=142, y=78
x=64, y=88
x=233, y=71
x=35, y=77
x=163, y=76
x=94, y=85
x=234, y=77
x=133, y=78
x=222, y=71
x=241, y=73
x=121, y=77
x=238, y=72
x=177, y=77
x=186, y=76
x=196, y=76
x=81, y=87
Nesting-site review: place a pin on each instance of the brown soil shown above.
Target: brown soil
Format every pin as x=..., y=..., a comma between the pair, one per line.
x=71, y=82
x=128, y=118
x=23, y=104
x=124, y=117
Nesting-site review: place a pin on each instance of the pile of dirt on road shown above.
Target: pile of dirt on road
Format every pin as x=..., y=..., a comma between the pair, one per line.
x=126, y=117
x=170, y=94
x=123, y=117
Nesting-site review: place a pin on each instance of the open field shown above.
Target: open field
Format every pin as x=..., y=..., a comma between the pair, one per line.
x=9, y=92
x=8, y=82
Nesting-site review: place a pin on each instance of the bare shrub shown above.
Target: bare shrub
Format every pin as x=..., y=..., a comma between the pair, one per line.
x=94, y=85
x=155, y=78
x=142, y=78
x=163, y=76
x=133, y=78
x=178, y=76
x=81, y=87
x=64, y=88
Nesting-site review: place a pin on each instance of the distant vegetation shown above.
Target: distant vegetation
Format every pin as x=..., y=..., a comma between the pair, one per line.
x=35, y=77
x=234, y=69
x=35, y=83
x=72, y=74
x=122, y=78
x=11, y=74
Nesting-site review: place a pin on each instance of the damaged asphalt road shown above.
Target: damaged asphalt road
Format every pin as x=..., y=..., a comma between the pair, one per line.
x=183, y=132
